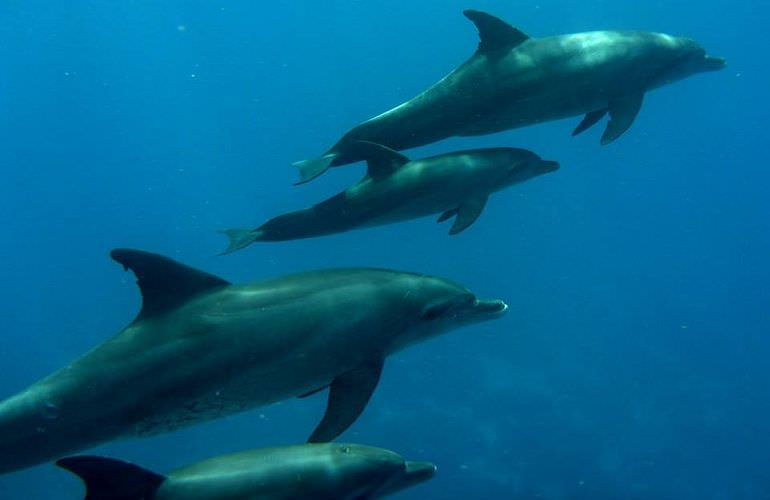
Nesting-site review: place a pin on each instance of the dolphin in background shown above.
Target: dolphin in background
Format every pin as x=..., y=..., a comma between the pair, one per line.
x=202, y=348
x=310, y=471
x=514, y=80
x=396, y=189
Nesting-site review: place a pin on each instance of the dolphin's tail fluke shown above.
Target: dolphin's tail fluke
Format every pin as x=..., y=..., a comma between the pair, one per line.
x=310, y=169
x=240, y=238
x=109, y=479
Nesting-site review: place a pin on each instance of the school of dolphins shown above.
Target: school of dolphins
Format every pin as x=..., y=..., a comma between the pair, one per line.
x=202, y=348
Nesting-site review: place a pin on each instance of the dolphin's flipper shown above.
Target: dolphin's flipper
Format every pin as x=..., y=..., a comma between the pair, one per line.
x=381, y=161
x=622, y=114
x=348, y=395
x=446, y=215
x=239, y=238
x=494, y=33
x=310, y=393
x=109, y=479
x=589, y=121
x=164, y=283
x=467, y=213
x=310, y=169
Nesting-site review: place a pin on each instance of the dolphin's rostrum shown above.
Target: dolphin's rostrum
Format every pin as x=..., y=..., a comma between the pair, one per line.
x=514, y=80
x=202, y=348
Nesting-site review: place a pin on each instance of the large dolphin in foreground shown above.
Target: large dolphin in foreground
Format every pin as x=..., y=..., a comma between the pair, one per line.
x=513, y=80
x=203, y=348
x=310, y=471
x=396, y=189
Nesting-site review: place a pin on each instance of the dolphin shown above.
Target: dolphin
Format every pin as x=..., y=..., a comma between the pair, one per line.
x=202, y=348
x=396, y=189
x=327, y=471
x=514, y=80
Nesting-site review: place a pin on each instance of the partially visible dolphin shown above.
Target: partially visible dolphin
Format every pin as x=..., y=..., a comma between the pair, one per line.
x=310, y=471
x=203, y=348
x=514, y=80
x=396, y=189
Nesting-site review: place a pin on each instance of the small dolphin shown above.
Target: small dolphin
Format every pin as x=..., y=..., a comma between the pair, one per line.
x=309, y=471
x=203, y=348
x=396, y=189
x=513, y=80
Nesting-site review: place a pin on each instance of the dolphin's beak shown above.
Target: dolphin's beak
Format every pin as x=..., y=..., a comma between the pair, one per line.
x=417, y=472
x=414, y=473
x=712, y=63
x=548, y=166
x=492, y=308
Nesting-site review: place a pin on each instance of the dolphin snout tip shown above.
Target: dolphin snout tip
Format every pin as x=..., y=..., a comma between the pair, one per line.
x=492, y=308
x=549, y=165
x=714, y=63
x=420, y=471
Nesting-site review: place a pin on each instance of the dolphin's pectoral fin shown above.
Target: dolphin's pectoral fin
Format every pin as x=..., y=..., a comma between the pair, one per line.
x=109, y=479
x=446, y=215
x=310, y=393
x=164, y=283
x=623, y=111
x=381, y=161
x=589, y=120
x=348, y=395
x=467, y=213
x=310, y=169
x=494, y=33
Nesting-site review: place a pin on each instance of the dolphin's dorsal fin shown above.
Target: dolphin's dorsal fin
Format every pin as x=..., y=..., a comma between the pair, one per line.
x=164, y=283
x=494, y=33
x=348, y=395
x=109, y=479
x=381, y=161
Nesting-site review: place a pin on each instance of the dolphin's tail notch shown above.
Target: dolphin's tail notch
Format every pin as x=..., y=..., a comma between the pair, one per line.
x=110, y=479
x=310, y=169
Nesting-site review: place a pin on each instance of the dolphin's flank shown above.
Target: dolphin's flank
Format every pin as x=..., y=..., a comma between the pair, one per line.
x=397, y=189
x=514, y=80
x=322, y=471
x=202, y=348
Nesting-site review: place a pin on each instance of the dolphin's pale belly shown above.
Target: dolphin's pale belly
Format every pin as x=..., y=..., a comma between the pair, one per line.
x=248, y=390
x=413, y=210
x=241, y=368
x=530, y=112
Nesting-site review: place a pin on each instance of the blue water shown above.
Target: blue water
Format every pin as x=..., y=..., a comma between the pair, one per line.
x=633, y=361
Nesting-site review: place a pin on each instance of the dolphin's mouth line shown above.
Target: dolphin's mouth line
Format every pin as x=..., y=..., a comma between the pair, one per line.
x=492, y=307
x=715, y=63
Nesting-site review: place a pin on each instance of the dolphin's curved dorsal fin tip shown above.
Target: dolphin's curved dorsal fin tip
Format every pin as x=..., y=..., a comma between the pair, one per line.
x=380, y=160
x=163, y=282
x=494, y=33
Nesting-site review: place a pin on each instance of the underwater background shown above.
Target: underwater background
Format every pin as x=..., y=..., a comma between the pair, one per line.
x=633, y=362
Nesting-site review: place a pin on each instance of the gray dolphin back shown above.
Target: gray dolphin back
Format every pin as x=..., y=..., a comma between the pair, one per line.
x=110, y=479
